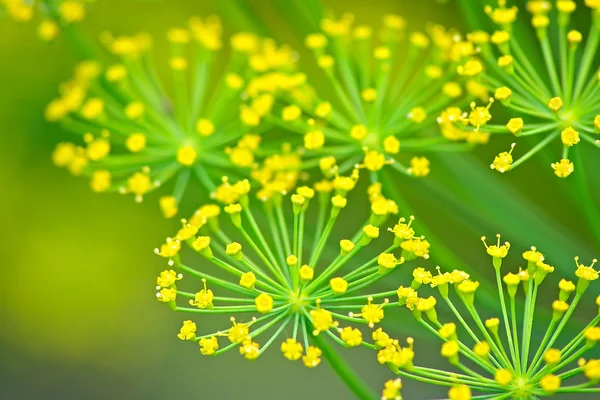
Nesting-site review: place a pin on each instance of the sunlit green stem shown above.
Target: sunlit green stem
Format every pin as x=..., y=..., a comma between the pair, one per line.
x=498, y=351
x=509, y=335
x=353, y=381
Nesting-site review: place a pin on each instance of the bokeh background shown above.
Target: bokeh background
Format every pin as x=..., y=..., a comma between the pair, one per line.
x=78, y=314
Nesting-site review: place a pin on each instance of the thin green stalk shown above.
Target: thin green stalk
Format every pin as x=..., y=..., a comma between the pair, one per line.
x=498, y=352
x=528, y=323
x=511, y=344
x=354, y=382
x=322, y=241
x=549, y=60
x=588, y=57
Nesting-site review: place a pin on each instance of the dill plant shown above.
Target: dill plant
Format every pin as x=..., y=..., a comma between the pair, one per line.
x=557, y=103
x=283, y=289
x=388, y=87
x=499, y=358
x=136, y=136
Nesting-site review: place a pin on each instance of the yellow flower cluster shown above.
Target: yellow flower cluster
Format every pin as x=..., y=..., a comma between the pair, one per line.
x=555, y=103
x=279, y=277
x=138, y=136
x=387, y=98
x=507, y=365
x=63, y=12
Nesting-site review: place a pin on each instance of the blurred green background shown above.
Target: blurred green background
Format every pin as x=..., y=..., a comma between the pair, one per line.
x=78, y=312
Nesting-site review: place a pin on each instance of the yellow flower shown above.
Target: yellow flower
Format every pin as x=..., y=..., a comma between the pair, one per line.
x=370, y=231
x=585, y=272
x=391, y=390
x=550, y=383
x=326, y=61
x=448, y=330
x=352, y=337
x=387, y=260
x=569, y=136
x=338, y=285
x=482, y=349
x=291, y=349
x=533, y=255
x=315, y=41
x=71, y=11
x=312, y=358
x=92, y=108
x=497, y=250
x=504, y=160
x=503, y=377
x=417, y=114
x=427, y=304
x=115, y=73
x=187, y=331
x=371, y=313
x=97, y=149
x=503, y=93
x=314, y=140
x=592, y=334
x=369, y=95
x=170, y=248
x=450, y=349
x=381, y=338
x=391, y=145
x=306, y=273
x=249, y=349
x=322, y=320
x=178, y=63
x=205, y=127
x=563, y=168
x=201, y=243
x=555, y=104
x=47, y=30
x=421, y=276
x=459, y=392
x=134, y=110
x=167, y=278
x=552, y=356
x=186, y=155
x=264, y=303
x=166, y=295
x=100, y=181
x=419, y=166
x=468, y=286
x=208, y=346
x=204, y=298
x=136, y=142
x=139, y=183
x=374, y=161
x=239, y=331
x=323, y=110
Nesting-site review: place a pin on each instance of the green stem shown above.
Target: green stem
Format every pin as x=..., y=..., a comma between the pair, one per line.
x=347, y=375
x=583, y=194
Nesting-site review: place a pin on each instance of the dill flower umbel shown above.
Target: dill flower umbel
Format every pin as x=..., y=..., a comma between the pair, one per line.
x=387, y=88
x=273, y=281
x=491, y=358
x=555, y=101
x=56, y=15
x=137, y=136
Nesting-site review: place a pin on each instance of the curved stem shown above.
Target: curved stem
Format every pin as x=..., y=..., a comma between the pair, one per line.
x=347, y=375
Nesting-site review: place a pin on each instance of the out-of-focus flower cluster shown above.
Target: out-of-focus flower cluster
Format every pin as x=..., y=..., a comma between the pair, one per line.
x=136, y=136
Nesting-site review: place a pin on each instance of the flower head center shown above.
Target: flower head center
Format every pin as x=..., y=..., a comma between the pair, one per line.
x=568, y=118
x=298, y=300
x=372, y=141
